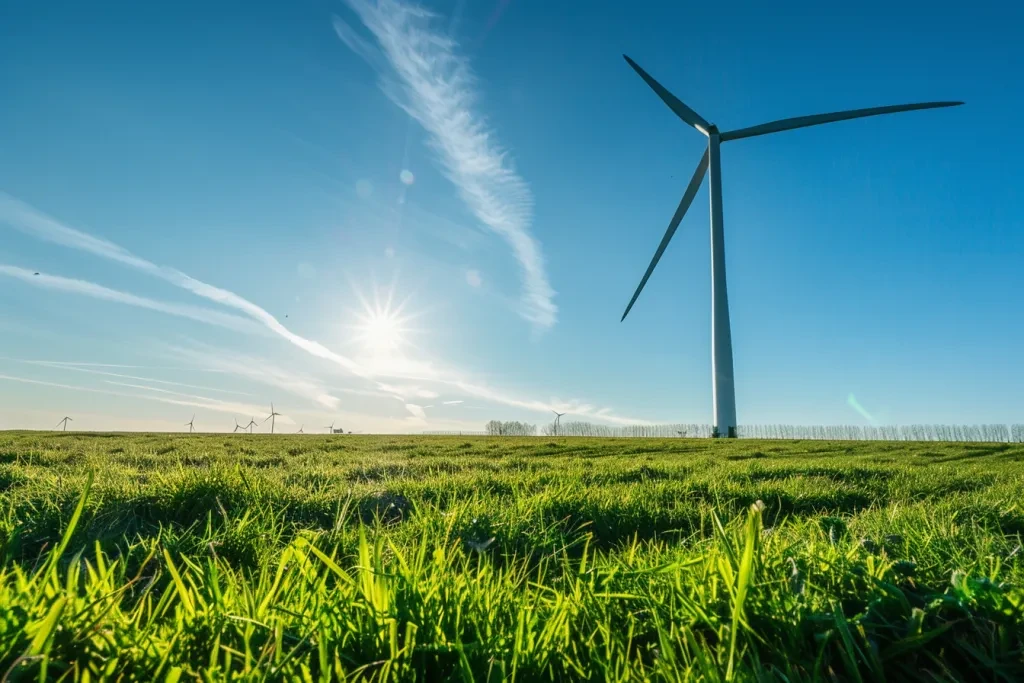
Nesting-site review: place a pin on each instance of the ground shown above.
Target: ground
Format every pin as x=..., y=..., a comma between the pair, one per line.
x=238, y=557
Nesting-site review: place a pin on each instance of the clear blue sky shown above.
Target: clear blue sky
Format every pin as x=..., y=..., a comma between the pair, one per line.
x=501, y=174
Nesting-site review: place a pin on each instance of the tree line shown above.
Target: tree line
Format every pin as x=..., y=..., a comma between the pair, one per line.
x=499, y=428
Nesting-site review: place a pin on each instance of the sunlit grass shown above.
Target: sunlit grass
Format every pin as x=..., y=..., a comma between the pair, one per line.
x=155, y=557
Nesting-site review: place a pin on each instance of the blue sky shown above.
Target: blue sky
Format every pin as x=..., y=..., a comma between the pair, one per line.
x=406, y=218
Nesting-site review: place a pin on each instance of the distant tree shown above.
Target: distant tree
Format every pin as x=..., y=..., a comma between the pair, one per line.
x=510, y=428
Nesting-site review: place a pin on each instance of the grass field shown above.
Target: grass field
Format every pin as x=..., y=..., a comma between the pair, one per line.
x=315, y=558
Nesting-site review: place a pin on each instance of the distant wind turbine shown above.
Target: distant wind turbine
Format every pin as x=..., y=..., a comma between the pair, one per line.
x=558, y=420
x=271, y=418
x=330, y=429
x=189, y=424
x=723, y=391
x=252, y=423
x=300, y=429
x=238, y=426
x=64, y=422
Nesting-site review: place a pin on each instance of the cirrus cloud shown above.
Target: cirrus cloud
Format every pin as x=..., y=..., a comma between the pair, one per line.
x=437, y=88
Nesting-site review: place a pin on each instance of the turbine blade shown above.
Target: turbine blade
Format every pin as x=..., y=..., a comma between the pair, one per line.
x=673, y=102
x=818, y=119
x=684, y=204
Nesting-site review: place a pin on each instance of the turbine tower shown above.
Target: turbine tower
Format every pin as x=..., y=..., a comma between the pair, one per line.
x=330, y=429
x=723, y=391
x=252, y=423
x=64, y=422
x=558, y=420
x=189, y=424
x=271, y=418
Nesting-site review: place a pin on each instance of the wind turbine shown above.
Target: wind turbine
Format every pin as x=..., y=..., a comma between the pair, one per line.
x=252, y=423
x=723, y=392
x=64, y=422
x=330, y=429
x=271, y=418
x=237, y=427
x=558, y=420
x=189, y=424
x=300, y=429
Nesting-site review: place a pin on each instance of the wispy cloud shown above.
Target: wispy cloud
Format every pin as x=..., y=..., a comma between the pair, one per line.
x=198, y=401
x=257, y=370
x=451, y=403
x=88, y=368
x=25, y=218
x=91, y=289
x=436, y=86
x=87, y=365
x=574, y=407
x=186, y=400
x=406, y=391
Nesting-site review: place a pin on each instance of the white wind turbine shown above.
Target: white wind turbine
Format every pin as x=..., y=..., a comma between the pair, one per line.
x=330, y=429
x=189, y=424
x=723, y=391
x=558, y=420
x=64, y=422
x=300, y=429
x=271, y=418
x=237, y=427
x=252, y=423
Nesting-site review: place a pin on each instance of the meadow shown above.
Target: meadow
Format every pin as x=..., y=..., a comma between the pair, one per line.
x=156, y=557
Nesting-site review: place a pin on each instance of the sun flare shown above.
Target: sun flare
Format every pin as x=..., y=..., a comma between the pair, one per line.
x=381, y=331
x=381, y=327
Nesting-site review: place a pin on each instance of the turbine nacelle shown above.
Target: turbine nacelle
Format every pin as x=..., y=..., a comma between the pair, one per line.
x=709, y=131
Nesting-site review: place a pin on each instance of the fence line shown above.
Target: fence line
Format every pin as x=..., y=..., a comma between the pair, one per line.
x=984, y=433
x=454, y=433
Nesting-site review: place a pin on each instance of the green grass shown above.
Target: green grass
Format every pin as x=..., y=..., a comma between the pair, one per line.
x=315, y=558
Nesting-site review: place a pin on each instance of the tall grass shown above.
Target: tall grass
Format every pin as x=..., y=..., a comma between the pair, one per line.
x=378, y=558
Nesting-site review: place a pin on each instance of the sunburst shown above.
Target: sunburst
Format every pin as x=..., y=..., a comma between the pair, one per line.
x=382, y=328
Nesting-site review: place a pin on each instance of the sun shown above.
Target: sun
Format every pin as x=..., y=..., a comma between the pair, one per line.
x=380, y=331
x=381, y=326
